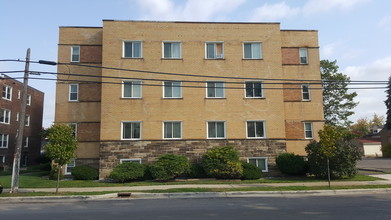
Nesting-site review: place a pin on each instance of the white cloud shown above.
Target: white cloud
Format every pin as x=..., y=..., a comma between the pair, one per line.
x=273, y=12
x=195, y=10
x=371, y=101
x=328, y=50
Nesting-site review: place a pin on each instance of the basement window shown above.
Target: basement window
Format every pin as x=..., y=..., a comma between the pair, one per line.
x=260, y=162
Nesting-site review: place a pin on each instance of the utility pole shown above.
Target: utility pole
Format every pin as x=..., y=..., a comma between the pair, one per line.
x=19, y=135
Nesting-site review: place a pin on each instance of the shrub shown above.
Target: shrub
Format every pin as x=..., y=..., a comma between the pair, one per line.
x=84, y=173
x=54, y=173
x=197, y=171
x=169, y=166
x=290, y=163
x=147, y=172
x=251, y=172
x=222, y=163
x=127, y=172
x=342, y=163
x=386, y=150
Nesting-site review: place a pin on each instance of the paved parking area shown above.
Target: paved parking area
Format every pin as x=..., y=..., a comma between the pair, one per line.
x=376, y=164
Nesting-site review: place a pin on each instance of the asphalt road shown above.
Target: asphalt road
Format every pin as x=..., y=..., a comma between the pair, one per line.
x=364, y=206
x=380, y=164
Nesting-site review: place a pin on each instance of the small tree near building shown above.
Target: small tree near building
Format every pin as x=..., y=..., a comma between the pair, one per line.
x=61, y=147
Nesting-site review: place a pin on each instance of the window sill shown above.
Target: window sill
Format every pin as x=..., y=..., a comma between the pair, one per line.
x=214, y=59
x=254, y=98
x=73, y=100
x=172, y=58
x=7, y=99
x=217, y=138
x=132, y=58
x=306, y=100
x=256, y=138
x=168, y=139
x=139, y=139
x=215, y=98
x=252, y=58
x=171, y=98
x=130, y=98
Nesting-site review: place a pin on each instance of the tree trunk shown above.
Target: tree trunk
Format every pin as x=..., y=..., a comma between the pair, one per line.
x=58, y=178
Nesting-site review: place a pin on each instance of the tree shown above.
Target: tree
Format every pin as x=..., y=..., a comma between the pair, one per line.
x=388, y=104
x=337, y=101
x=363, y=126
x=61, y=147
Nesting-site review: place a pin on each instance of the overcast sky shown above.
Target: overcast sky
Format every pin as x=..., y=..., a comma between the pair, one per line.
x=356, y=33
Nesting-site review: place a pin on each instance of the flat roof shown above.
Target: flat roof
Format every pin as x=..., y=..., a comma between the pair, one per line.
x=193, y=22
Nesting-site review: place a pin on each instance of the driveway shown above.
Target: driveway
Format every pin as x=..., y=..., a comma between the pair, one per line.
x=375, y=164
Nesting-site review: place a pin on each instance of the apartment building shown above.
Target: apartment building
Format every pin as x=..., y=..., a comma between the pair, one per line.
x=10, y=103
x=135, y=90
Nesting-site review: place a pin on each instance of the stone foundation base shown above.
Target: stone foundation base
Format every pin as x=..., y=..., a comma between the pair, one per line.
x=148, y=151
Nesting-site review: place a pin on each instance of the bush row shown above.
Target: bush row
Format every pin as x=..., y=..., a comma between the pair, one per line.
x=219, y=162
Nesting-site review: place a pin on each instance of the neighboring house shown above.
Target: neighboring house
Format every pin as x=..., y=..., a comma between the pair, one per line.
x=186, y=87
x=10, y=103
x=370, y=146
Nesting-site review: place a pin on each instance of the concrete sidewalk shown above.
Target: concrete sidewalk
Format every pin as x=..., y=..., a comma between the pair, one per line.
x=386, y=181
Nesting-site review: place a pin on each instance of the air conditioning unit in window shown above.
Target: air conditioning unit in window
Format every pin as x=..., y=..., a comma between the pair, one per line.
x=219, y=56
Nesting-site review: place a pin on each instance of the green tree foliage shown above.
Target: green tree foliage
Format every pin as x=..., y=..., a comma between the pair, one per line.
x=61, y=147
x=291, y=164
x=127, y=172
x=169, y=166
x=335, y=145
x=363, y=126
x=388, y=105
x=251, y=172
x=337, y=101
x=222, y=163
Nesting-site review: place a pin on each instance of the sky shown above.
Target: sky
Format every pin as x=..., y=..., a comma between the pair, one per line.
x=356, y=33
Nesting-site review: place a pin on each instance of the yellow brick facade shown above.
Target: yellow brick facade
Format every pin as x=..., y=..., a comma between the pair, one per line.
x=101, y=108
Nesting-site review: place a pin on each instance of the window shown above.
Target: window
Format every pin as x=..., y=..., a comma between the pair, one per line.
x=19, y=94
x=132, y=49
x=216, y=129
x=172, y=90
x=69, y=167
x=7, y=92
x=73, y=92
x=26, y=142
x=4, y=140
x=303, y=56
x=24, y=160
x=260, y=162
x=133, y=160
x=172, y=50
x=5, y=116
x=305, y=91
x=252, y=50
x=308, y=130
x=28, y=99
x=131, y=130
x=214, y=50
x=17, y=116
x=74, y=127
x=2, y=159
x=27, y=121
x=131, y=89
x=172, y=130
x=75, y=54
x=215, y=90
x=254, y=90
x=255, y=129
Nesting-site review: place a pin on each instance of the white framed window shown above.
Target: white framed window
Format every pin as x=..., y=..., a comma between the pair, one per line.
x=260, y=162
x=216, y=129
x=2, y=159
x=74, y=127
x=132, y=49
x=172, y=50
x=172, y=89
x=172, y=130
x=24, y=160
x=214, y=50
x=28, y=99
x=4, y=140
x=215, y=90
x=19, y=94
x=131, y=130
x=305, y=92
x=27, y=121
x=75, y=54
x=7, y=92
x=70, y=166
x=26, y=142
x=5, y=116
x=131, y=89
x=17, y=116
x=252, y=50
x=73, y=92
x=130, y=160
x=254, y=89
x=308, y=134
x=256, y=129
x=303, y=56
